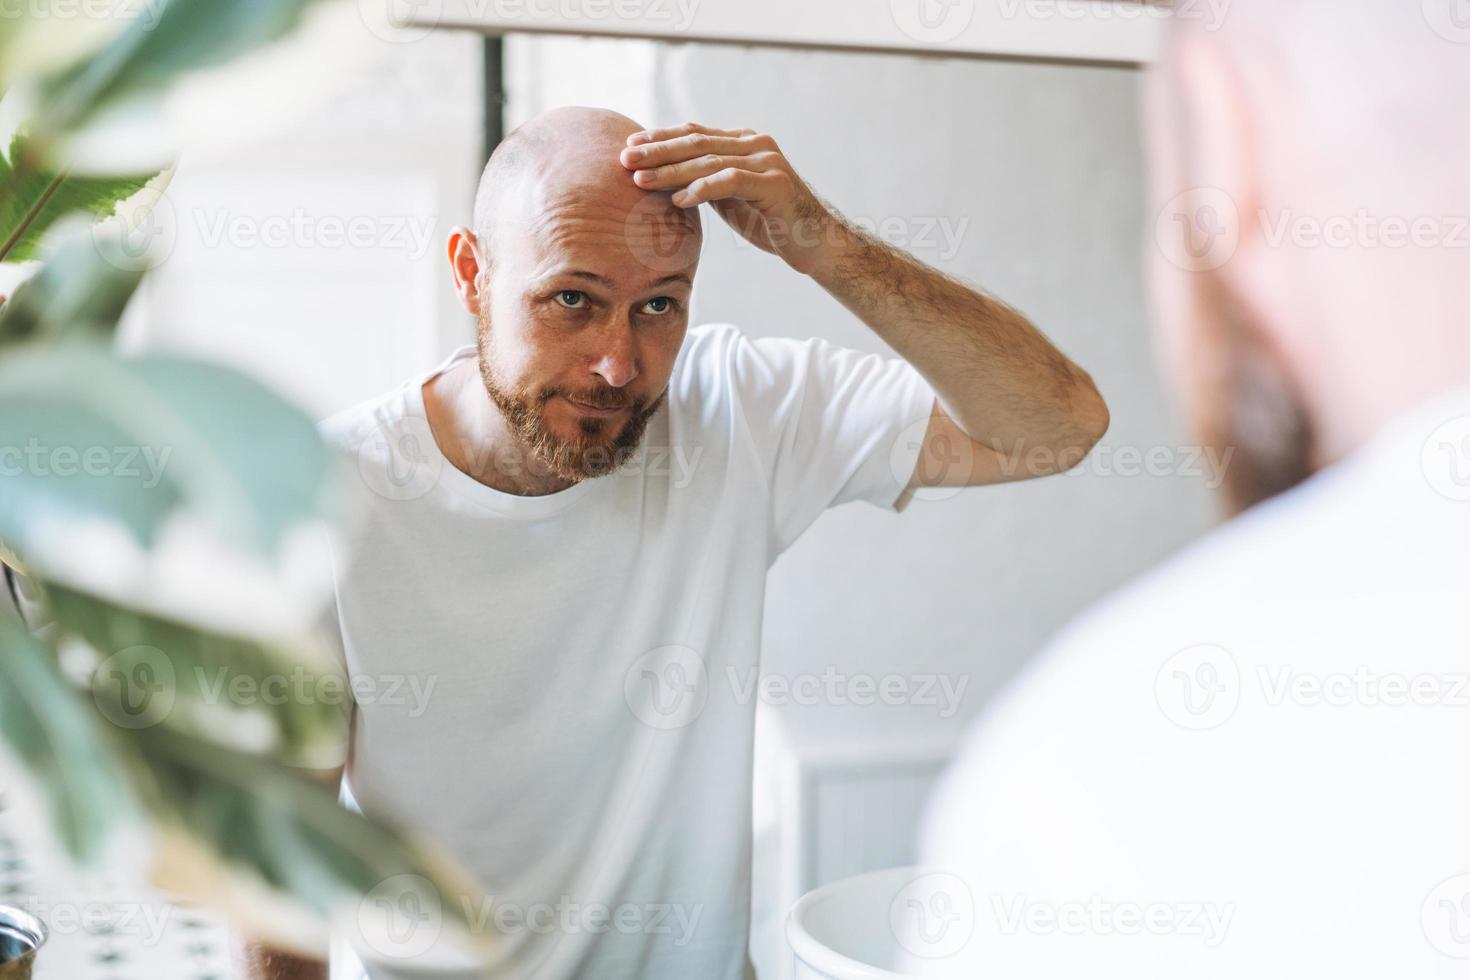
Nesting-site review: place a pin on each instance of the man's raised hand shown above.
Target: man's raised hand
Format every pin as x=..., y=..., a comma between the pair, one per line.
x=745, y=177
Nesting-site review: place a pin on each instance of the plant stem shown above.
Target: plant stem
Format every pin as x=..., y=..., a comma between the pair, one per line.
x=31, y=215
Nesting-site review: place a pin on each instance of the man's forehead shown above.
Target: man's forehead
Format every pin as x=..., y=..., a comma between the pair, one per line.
x=619, y=240
x=607, y=257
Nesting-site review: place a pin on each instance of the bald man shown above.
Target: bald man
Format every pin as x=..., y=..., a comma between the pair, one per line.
x=559, y=587
x=1251, y=764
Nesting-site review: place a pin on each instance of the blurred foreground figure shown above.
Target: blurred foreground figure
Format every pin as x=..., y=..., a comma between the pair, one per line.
x=1250, y=764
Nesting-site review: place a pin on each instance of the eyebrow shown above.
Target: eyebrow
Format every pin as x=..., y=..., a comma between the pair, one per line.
x=604, y=281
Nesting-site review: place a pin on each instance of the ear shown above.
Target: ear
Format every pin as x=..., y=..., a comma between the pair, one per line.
x=1207, y=191
x=464, y=266
x=1220, y=152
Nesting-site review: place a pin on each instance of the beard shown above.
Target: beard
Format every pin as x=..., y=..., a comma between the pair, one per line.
x=1250, y=405
x=598, y=448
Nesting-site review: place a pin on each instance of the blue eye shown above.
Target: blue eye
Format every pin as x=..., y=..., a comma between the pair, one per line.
x=572, y=299
x=658, y=306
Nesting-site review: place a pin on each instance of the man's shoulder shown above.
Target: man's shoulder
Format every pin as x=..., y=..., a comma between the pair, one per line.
x=347, y=427
x=1259, y=679
x=725, y=354
x=1285, y=566
x=720, y=361
x=708, y=348
x=705, y=379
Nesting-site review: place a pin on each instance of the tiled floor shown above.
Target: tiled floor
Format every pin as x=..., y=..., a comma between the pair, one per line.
x=105, y=930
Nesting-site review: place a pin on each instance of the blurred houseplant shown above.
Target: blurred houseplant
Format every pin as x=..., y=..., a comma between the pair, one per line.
x=163, y=513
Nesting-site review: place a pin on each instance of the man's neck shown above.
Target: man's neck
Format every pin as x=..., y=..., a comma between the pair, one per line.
x=474, y=436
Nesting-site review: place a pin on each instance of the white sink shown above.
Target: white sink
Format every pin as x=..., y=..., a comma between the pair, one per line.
x=846, y=930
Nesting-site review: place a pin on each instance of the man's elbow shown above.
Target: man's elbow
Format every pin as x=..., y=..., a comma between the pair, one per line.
x=1095, y=418
x=1088, y=422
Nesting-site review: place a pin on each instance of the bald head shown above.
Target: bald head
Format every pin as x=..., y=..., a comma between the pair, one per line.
x=1328, y=76
x=561, y=156
x=1307, y=169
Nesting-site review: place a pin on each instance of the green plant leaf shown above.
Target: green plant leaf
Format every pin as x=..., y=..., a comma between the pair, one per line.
x=80, y=292
x=58, y=736
x=184, y=35
x=90, y=441
x=34, y=196
x=245, y=694
x=46, y=36
x=288, y=829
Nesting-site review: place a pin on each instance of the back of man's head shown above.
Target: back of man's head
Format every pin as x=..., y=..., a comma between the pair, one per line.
x=1311, y=176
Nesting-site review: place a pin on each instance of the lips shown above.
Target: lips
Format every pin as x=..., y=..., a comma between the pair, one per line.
x=593, y=410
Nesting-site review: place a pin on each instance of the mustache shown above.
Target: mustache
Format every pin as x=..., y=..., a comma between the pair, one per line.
x=604, y=397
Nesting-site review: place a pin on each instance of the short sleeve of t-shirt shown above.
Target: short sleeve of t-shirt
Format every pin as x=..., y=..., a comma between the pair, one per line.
x=830, y=425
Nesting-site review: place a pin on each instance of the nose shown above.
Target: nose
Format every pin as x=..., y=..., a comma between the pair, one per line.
x=616, y=361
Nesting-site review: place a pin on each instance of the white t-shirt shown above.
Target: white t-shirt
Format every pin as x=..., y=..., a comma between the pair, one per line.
x=579, y=738
x=1250, y=764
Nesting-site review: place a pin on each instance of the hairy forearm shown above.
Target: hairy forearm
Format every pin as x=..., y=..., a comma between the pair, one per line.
x=996, y=374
